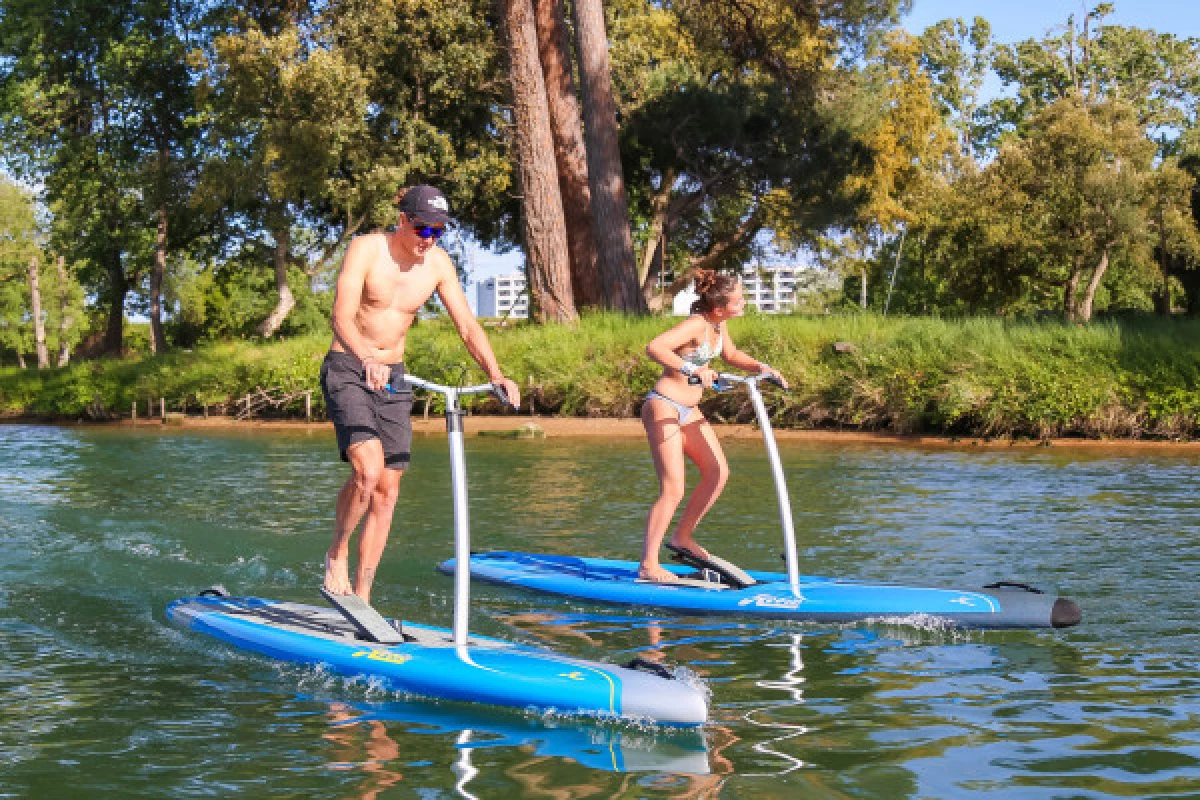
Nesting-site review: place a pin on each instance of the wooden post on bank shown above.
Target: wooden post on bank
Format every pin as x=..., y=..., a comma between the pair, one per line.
x=308, y=406
x=162, y=407
x=133, y=416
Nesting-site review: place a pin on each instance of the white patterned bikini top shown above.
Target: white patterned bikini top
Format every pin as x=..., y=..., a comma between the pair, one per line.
x=702, y=355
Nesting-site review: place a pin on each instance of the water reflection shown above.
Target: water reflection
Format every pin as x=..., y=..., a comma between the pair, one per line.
x=101, y=528
x=792, y=684
x=463, y=771
x=363, y=744
x=362, y=735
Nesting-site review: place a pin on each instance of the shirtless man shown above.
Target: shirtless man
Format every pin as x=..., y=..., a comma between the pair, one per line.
x=384, y=280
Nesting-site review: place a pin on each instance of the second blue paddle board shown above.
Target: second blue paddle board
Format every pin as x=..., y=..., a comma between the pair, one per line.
x=813, y=598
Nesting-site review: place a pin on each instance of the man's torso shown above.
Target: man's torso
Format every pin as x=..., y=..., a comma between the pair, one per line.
x=392, y=294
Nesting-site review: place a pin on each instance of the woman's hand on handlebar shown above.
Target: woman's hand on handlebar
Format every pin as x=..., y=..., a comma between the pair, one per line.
x=707, y=376
x=774, y=375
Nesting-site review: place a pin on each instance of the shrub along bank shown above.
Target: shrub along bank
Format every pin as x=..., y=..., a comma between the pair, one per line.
x=977, y=377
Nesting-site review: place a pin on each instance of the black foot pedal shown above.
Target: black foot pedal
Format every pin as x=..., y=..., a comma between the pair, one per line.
x=729, y=571
x=367, y=620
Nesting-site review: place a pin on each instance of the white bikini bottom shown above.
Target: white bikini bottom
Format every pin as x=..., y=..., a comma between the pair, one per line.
x=683, y=411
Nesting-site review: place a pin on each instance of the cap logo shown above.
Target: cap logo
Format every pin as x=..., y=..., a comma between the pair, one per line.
x=439, y=203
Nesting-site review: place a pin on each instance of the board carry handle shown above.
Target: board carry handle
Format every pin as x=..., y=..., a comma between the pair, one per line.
x=653, y=668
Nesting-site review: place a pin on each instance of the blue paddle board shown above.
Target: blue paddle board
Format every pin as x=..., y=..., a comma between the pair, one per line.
x=772, y=597
x=427, y=663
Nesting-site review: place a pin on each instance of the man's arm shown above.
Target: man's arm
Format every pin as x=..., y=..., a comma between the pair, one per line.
x=469, y=329
x=346, y=301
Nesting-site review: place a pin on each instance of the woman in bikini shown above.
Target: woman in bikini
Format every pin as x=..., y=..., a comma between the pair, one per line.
x=676, y=427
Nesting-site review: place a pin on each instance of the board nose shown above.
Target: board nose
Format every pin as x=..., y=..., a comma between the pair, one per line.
x=1065, y=613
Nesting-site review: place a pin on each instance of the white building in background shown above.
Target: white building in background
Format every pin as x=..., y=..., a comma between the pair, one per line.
x=769, y=289
x=496, y=296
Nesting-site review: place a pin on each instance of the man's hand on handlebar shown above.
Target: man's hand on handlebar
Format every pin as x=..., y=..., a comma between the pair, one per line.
x=511, y=392
x=377, y=374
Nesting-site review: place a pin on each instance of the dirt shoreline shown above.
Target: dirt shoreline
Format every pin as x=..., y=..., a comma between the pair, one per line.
x=605, y=427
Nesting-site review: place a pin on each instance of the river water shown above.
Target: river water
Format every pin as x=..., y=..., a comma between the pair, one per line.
x=102, y=527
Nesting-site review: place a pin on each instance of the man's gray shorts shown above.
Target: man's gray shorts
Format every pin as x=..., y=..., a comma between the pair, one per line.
x=360, y=414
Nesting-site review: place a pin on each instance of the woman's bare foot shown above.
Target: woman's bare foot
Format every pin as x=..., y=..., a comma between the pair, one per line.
x=691, y=547
x=337, y=575
x=655, y=573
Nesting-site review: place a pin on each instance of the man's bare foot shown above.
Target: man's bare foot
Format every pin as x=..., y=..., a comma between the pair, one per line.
x=656, y=574
x=337, y=576
x=691, y=547
x=363, y=582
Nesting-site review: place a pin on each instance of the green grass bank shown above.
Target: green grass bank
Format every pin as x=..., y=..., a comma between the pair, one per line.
x=969, y=377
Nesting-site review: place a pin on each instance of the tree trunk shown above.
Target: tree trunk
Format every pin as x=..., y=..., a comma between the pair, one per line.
x=862, y=289
x=20, y=360
x=39, y=322
x=660, y=203
x=570, y=154
x=64, y=319
x=286, y=302
x=1070, y=302
x=1162, y=297
x=650, y=286
x=158, y=342
x=114, y=333
x=610, y=209
x=543, y=223
x=1089, y=293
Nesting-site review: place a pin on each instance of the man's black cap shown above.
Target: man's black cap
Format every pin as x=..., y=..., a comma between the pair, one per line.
x=425, y=205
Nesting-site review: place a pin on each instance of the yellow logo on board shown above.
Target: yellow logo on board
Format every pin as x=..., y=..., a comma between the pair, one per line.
x=383, y=655
x=575, y=676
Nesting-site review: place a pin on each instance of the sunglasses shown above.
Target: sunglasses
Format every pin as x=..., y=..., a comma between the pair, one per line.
x=429, y=231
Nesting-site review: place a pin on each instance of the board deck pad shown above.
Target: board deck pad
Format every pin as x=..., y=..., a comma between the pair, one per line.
x=695, y=583
x=369, y=622
x=727, y=569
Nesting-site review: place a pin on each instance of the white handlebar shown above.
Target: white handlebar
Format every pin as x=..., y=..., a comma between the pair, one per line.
x=437, y=387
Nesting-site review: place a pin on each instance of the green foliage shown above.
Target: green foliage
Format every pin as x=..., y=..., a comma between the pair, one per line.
x=231, y=300
x=1068, y=196
x=95, y=108
x=734, y=120
x=61, y=296
x=972, y=376
x=1157, y=74
x=17, y=231
x=958, y=56
x=289, y=124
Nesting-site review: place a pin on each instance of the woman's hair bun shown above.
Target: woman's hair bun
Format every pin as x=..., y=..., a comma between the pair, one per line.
x=713, y=289
x=704, y=280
